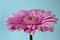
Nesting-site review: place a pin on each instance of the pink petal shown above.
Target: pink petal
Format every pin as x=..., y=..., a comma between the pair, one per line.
x=12, y=28
x=46, y=13
x=52, y=20
x=42, y=28
x=33, y=12
x=50, y=16
x=49, y=27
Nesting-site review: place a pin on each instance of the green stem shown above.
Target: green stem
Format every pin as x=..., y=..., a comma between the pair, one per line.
x=31, y=38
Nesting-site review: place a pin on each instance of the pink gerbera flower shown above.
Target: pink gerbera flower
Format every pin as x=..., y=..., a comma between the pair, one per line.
x=31, y=20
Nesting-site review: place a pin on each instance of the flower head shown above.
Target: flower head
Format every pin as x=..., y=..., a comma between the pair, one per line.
x=31, y=20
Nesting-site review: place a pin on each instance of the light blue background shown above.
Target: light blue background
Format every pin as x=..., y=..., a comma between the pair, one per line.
x=7, y=7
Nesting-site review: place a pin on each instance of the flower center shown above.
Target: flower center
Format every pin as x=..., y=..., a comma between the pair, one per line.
x=30, y=19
